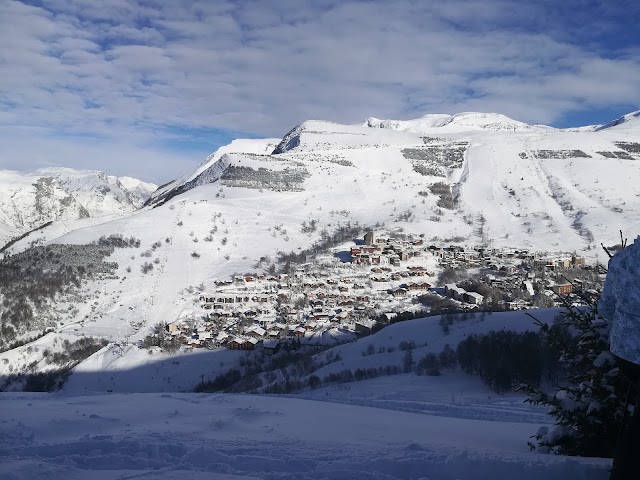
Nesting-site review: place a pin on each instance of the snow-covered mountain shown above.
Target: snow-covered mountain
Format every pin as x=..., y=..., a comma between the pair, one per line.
x=447, y=178
x=454, y=123
x=209, y=171
x=29, y=200
x=520, y=179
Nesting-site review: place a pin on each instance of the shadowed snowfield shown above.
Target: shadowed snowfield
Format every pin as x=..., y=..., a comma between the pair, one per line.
x=448, y=427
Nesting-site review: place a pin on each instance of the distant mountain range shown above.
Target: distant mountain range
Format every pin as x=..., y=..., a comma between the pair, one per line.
x=28, y=200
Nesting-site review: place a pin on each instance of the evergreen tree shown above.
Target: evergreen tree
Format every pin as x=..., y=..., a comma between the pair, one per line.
x=407, y=361
x=591, y=406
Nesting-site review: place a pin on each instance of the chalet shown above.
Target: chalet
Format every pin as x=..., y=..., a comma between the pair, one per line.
x=544, y=263
x=223, y=337
x=453, y=291
x=577, y=261
x=363, y=327
x=320, y=315
x=266, y=321
x=175, y=327
x=399, y=292
x=379, y=259
x=563, y=289
x=379, y=279
x=473, y=298
x=234, y=344
x=516, y=305
x=255, y=332
x=249, y=343
x=270, y=346
x=361, y=259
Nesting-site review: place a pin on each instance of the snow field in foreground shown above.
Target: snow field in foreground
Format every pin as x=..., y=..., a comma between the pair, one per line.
x=163, y=436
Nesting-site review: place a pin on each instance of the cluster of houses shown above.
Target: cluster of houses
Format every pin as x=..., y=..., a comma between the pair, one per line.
x=323, y=301
x=513, y=271
x=328, y=300
x=385, y=251
x=501, y=259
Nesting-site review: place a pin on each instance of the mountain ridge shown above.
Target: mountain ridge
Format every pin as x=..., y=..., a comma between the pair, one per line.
x=29, y=200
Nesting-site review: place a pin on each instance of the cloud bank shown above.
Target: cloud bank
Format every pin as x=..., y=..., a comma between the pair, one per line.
x=148, y=87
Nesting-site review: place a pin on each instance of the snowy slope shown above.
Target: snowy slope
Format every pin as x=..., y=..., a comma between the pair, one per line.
x=206, y=169
x=398, y=427
x=129, y=369
x=29, y=200
x=427, y=334
x=630, y=121
x=523, y=180
x=189, y=436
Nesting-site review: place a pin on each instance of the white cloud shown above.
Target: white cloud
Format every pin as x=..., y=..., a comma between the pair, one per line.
x=119, y=70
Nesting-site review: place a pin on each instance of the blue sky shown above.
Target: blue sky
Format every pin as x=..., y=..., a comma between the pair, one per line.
x=148, y=88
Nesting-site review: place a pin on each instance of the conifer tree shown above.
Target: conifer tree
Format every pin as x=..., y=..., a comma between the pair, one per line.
x=592, y=402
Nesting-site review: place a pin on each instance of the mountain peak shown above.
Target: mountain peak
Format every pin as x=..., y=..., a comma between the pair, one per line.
x=28, y=200
x=465, y=121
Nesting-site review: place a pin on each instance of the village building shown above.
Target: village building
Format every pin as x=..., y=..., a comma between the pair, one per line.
x=563, y=289
x=369, y=238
